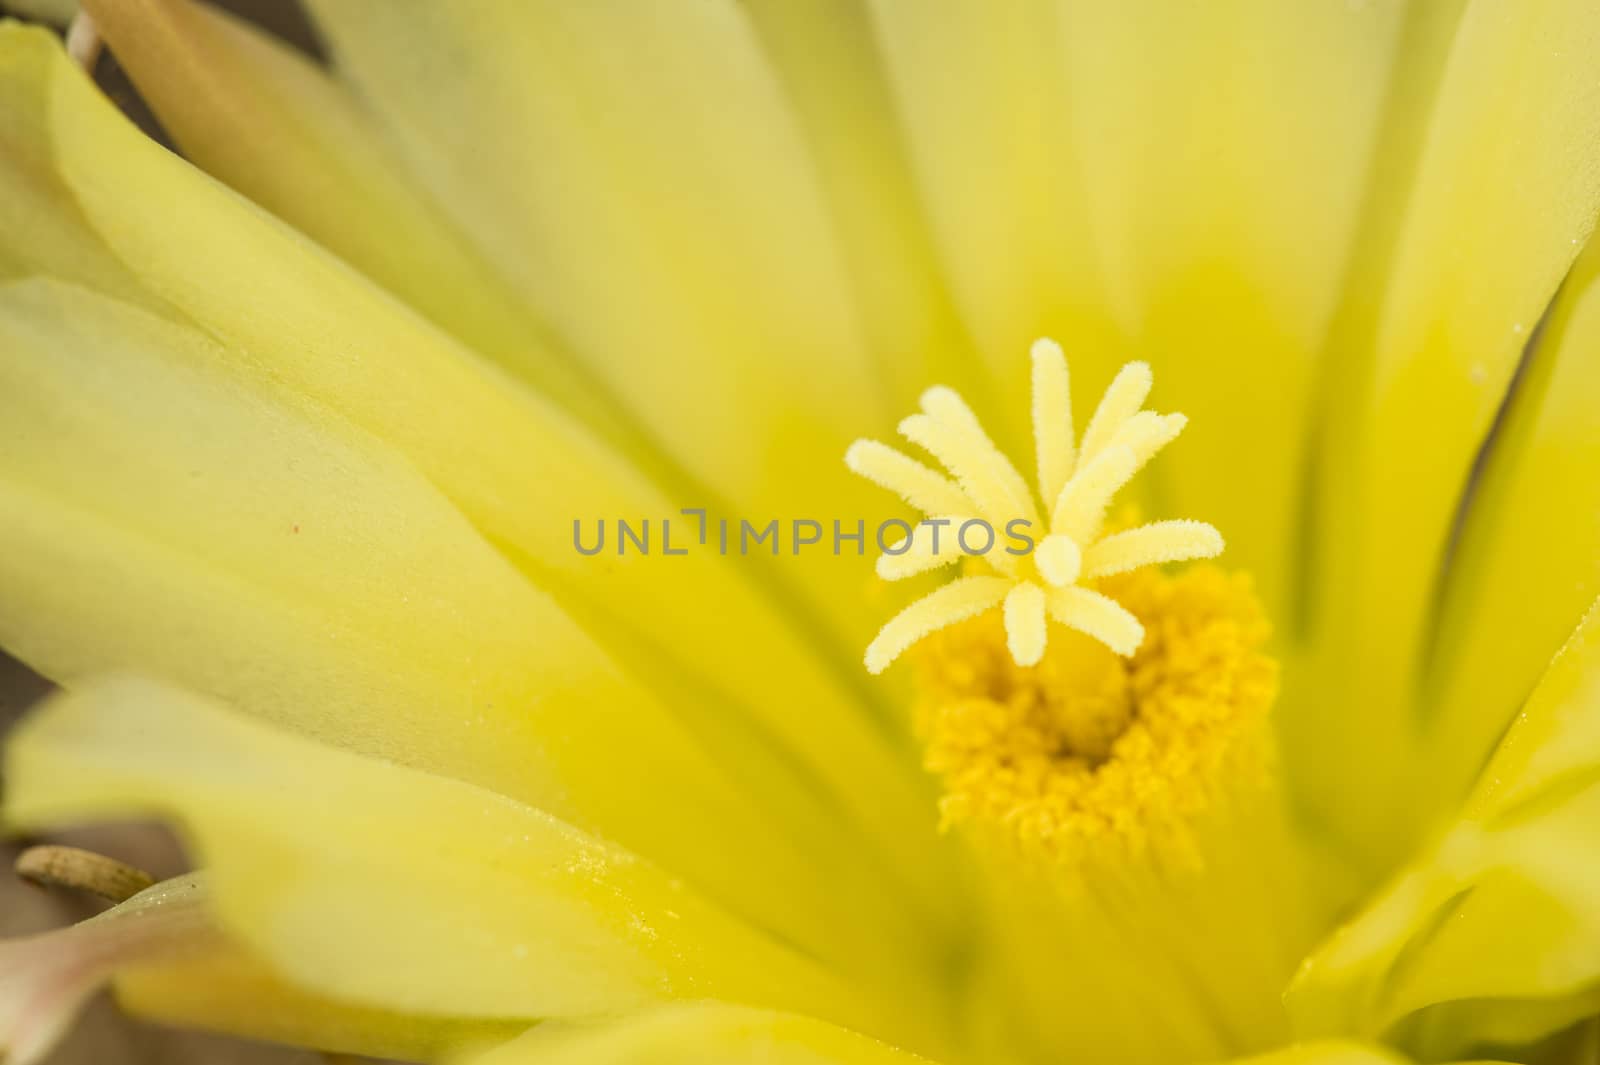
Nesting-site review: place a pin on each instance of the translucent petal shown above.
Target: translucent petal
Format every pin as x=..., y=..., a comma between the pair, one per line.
x=45, y=979
x=167, y=961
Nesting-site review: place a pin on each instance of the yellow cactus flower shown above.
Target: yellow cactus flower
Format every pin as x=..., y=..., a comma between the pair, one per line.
x=449, y=490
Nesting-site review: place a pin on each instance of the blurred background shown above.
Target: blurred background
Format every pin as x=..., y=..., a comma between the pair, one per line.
x=104, y=1036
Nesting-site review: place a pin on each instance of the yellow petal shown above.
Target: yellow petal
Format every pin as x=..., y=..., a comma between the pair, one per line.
x=226, y=989
x=979, y=91
x=290, y=317
x=1198, y=190
x=254, y=547
x=269, y=122
x=1528, y=558
x=1472, y=272
x=1500, y=917
x=1091, y=179
x=1325, y=1053
x=390, y=887
x=638, y=176
x=825, y=55
x=711, y=1033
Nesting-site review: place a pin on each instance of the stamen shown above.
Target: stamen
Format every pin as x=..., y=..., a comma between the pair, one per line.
x=944, y=442
x=1060, y=560
x=904, y=560
x=1089, y=754
x=1148, y=545
x=1096, y=615
x=907, y=478
x=1077, y=484
x=55, y=866
x=1025, y=624
x=945, y=406
x=1127, y=394
x=1147, y=433
x=962, y=598
x=1052, y=417
x=1081, y=507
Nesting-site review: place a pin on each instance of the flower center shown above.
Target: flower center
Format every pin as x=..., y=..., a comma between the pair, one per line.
x=1089, y=748
x=1067, y=549
x=1150, y=695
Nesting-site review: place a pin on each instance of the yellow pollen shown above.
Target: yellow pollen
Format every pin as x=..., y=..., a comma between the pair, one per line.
x=1059, y=579
x=1090, y=749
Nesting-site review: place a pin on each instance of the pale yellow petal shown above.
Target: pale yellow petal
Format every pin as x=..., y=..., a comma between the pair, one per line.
x=980, y=91
x=273, y=125
x=1223, y=210
x=390, y=887
x=710, y=1033
x=1501, y=912
x=290, y=317
x=637, y=174
x=227, y=989
x=1528, y=556
x=1471, y=274
x=156, y=516
x=1332, y=1052
x=825, y=55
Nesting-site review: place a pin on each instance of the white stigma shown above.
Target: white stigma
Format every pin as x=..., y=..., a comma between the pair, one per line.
x=1077, y=481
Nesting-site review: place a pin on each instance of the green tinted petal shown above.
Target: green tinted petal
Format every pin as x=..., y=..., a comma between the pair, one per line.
x=1504, y=195
x=1503, y=907
x=1528, y=560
